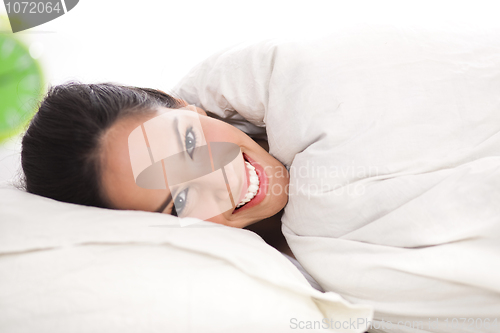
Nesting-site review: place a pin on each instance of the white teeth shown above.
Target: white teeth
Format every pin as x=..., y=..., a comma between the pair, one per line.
x=254, y=185
x=253, y=188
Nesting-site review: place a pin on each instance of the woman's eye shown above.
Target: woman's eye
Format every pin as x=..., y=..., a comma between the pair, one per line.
x=190, y=141
x=180, y=202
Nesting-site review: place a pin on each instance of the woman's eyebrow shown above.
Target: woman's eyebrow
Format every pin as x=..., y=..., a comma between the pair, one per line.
x=175, y=124
x=165, y=204
x=176, y=130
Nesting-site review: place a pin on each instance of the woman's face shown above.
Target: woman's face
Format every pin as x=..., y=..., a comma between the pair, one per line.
x=184, y=133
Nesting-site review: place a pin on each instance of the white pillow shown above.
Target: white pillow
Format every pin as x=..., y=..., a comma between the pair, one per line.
x=70, y=268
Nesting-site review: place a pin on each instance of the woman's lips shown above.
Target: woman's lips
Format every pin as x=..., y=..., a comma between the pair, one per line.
x=263, y=184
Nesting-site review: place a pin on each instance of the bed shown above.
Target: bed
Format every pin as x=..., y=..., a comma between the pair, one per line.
x=404, y=229
x=70, y=268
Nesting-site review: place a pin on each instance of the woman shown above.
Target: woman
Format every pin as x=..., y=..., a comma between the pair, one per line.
x=391, y=139
x=76, y=150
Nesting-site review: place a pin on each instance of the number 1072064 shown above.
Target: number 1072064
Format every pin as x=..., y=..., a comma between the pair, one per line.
x=32, y=7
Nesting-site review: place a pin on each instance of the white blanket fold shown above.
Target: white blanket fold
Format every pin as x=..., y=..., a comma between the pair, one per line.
x=392, y=137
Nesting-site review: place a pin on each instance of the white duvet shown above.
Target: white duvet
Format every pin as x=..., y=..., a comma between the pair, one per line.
x=392, y=137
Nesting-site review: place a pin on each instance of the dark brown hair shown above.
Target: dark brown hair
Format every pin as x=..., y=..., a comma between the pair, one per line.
x=61, y=147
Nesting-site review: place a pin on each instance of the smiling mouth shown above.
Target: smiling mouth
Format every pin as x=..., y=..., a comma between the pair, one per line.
x=254, y=185
x=258, y=183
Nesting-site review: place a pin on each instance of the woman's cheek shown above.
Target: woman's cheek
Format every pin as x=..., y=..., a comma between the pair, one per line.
x=236, y=177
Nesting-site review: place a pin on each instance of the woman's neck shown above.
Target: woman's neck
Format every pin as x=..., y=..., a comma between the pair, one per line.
x=270, y=230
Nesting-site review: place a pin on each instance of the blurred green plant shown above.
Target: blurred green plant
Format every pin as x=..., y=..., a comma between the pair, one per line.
x=21, y=83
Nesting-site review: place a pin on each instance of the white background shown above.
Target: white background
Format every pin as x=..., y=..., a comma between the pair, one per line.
x=153, y=43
